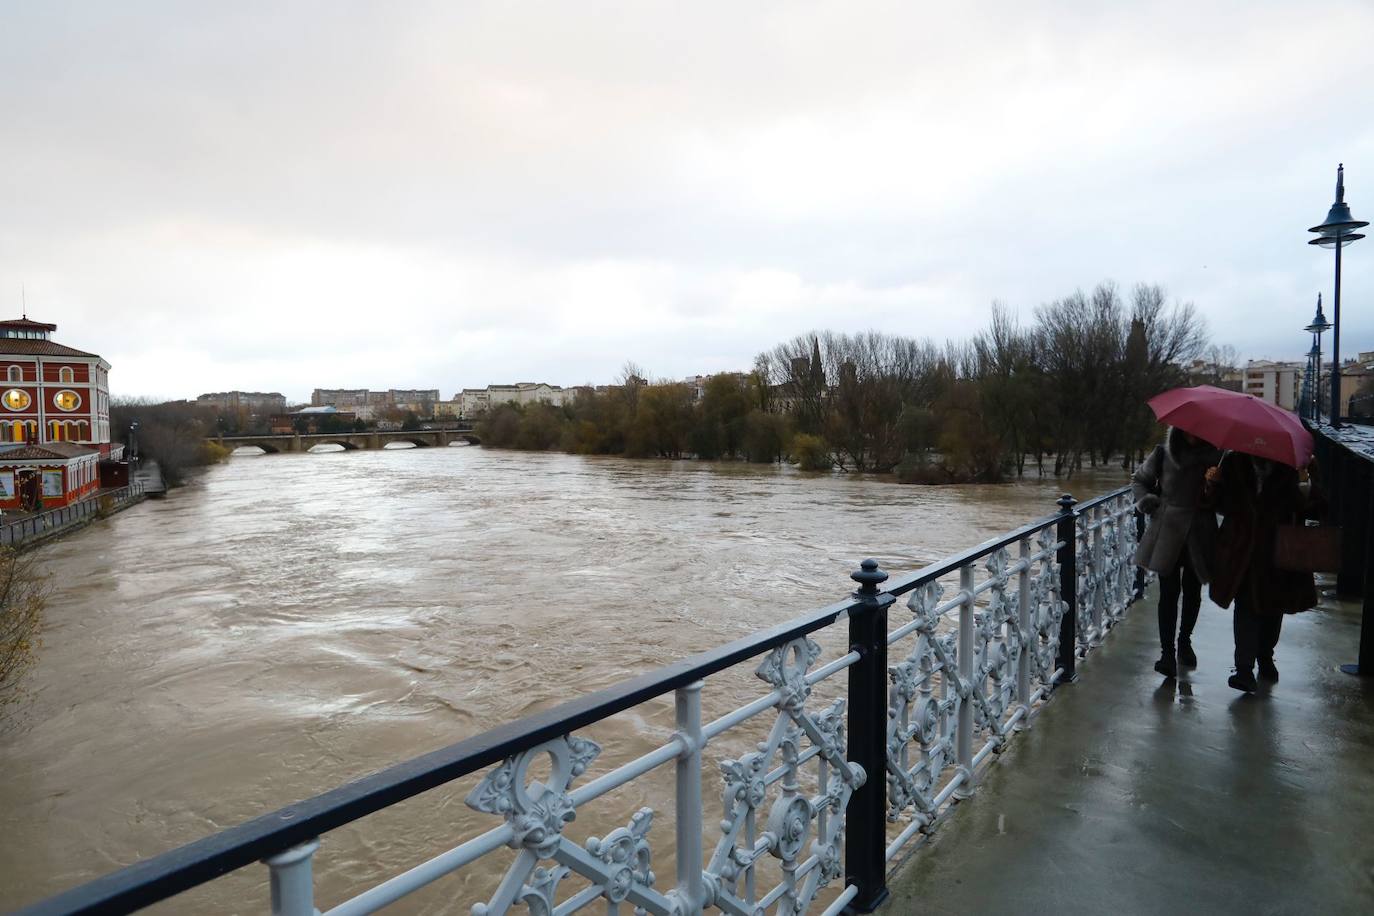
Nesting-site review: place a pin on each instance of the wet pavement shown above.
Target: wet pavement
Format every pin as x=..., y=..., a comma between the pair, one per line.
x=1137, y=794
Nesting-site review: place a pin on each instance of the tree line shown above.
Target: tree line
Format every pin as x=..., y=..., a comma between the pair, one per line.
x=1066, y=389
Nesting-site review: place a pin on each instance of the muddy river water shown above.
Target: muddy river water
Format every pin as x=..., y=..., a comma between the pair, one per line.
x=290, y=622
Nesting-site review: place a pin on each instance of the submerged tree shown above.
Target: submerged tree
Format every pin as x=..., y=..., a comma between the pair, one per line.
x=23, y=596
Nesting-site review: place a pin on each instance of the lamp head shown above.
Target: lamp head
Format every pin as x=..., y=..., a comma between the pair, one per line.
x=1339, y=222
x=1319, y=324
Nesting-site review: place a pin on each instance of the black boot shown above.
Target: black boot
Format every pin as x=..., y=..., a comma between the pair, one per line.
x=1268, y=671
x=1243, y=681
x=1186, y=655
x=1166, y=665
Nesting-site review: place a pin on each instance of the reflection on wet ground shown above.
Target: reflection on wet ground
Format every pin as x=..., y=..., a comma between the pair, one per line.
x=291, y=622
x=1135, y=793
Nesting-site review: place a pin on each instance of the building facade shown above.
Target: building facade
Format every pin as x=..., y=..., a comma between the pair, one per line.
x=339, y=397
x=258, y=403
x=47, y=476
x=51, y=393
x=1277, y=383
x=369, y=403
x=473, y=401
x=54, y=418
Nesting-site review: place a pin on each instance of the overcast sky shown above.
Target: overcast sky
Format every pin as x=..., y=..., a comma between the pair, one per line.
x=280, y=196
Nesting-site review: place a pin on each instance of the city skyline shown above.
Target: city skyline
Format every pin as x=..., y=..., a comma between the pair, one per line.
x=263, y=198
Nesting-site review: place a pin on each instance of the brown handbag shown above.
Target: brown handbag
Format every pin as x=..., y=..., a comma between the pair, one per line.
x=1306, y=548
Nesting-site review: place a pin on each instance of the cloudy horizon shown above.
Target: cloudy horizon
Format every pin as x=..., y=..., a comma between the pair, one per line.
x=283, y=197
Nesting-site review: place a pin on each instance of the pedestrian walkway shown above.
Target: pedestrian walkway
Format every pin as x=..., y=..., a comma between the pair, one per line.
x=149, y=477
x=1136, y=794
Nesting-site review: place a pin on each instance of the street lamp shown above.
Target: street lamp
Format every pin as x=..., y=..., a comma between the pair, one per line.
x=1311, y=388
x=1317, y=328
x=1337, y=232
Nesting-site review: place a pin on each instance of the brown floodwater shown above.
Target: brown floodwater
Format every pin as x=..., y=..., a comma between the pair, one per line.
x=290, y=622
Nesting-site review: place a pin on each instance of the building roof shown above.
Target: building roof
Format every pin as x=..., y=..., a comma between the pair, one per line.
x=328, y=408
x=26, y=324
x=34, y=347
x=48, y=451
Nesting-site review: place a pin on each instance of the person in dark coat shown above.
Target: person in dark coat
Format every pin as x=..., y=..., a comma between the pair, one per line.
x=1255, y=496
x=1178, y=543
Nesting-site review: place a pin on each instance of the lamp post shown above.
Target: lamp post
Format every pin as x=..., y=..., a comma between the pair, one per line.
x=1311, y=386
x=1317, y=328
x=1337, y=232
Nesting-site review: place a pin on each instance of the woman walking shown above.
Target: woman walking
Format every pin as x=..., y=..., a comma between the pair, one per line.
x=1179, y=542
x=1255, y=496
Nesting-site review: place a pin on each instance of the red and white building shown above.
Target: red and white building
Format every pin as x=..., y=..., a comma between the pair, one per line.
x=54, y=415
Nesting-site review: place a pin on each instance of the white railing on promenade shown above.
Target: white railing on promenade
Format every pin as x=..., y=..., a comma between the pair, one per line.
x=833, y=790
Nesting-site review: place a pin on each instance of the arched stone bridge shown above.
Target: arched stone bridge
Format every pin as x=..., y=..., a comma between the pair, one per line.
x=303, y=442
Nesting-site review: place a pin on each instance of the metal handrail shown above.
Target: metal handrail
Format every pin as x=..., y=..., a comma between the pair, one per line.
x=202, y=860
x=286, y=838
x=16, y=532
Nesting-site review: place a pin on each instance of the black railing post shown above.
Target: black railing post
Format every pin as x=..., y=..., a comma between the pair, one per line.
x=1139, y=518
x=1068, y=588
x=1364, y=662
x=865, y=833
x=1354, y=522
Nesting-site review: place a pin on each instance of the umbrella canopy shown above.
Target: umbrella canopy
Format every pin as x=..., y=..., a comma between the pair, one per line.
x=1236, y=421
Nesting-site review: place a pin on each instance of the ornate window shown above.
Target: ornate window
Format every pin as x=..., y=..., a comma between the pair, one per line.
x=16, y=399
x=66, y=399
x=65, y=375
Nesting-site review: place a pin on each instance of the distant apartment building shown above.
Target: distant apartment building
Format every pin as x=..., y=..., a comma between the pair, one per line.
x=1275, y=382
x=473, y=401
x=339, y=397
x=697, y=383
x=416, y=400
x=368, y=403
x=258, y=403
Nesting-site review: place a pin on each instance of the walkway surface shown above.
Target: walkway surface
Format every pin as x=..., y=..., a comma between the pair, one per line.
x=149, y=474
x=1136, y=794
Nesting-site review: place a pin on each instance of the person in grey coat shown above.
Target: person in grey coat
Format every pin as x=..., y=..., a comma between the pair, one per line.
x=1180, y=541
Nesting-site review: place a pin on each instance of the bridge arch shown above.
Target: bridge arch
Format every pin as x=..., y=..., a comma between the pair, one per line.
x=347, y=444
x=267, y=448
x=418, y=440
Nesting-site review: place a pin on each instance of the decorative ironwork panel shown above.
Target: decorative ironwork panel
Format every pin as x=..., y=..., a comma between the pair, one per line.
x=801, y=830
x=617, y=868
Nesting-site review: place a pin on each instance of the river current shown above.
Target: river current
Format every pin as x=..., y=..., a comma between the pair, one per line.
x=290, y=622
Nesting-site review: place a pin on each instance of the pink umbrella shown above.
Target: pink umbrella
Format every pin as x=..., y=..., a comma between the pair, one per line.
x=1236, y=421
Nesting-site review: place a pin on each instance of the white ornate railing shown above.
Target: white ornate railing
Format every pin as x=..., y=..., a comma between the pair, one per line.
x=831, y=792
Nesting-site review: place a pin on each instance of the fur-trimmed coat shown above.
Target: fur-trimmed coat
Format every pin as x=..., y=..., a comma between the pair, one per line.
x=1168, y=488
x=1253, y=505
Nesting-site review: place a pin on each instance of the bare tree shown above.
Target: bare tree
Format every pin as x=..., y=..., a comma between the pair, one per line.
x=23, y=595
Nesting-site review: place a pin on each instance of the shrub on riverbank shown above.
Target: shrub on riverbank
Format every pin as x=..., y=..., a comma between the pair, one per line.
x=173, y=433
x=23, y=595
x=811, y=453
